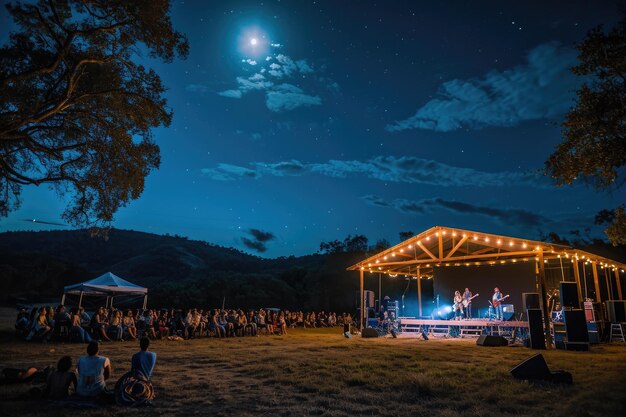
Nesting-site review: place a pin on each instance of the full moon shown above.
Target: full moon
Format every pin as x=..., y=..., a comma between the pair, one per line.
x=253, y=41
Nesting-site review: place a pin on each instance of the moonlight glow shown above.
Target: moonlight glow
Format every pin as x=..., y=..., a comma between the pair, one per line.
x=253, y=42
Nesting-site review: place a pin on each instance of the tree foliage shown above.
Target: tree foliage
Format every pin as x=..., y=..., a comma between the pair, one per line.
x=76, y=108
x=594, y=146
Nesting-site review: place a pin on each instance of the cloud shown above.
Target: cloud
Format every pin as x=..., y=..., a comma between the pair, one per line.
x=542, y=88
x=231, y=93
x=405, y=169
x=258, y=240
x=283, y=98
x=228, y=172
x=286, y=72
x=505, y=216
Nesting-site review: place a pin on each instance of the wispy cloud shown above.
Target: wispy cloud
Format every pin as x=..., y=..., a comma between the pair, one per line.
x=505, y=215
x=406, y=169
x=258, y=240
x=542, y=88
x=228, y=172
x=289, y=97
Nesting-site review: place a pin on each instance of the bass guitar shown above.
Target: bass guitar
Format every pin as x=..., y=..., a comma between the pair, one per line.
x=496, y=303
x=467, y=301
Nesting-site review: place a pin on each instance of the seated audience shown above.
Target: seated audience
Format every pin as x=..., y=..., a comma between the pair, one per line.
x=93, y=371
x=143, y=360
x=59, y=381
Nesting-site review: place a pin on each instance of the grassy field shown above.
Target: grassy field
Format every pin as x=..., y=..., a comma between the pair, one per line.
x=319, y=372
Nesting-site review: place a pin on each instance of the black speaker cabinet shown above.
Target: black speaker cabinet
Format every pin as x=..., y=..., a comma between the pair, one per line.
x=569, y=295
x=535, y=328
x=576, y=326
x=369, y=332
x=533, y=368
x=488, y=340
x=530, y=300
x=616, y=310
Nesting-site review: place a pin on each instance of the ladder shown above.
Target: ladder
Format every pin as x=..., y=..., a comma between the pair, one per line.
x=617, y=333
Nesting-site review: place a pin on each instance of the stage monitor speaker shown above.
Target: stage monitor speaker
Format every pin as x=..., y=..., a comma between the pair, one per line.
x=535, y=328
x=530, y=300
x=533, y=368
x=508, y=312
x=569, y=295
x=616, y=310
x=488, y=340
x=369, y=332
x=576, y=326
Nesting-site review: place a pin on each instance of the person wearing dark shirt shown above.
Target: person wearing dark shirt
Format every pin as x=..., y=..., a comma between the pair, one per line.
x=143, y=360
x=59, y=382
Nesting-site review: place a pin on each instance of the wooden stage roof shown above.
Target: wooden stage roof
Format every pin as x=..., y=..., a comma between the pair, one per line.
x=442, y=246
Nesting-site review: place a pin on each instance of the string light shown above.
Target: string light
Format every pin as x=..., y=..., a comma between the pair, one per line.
x=475, y=237
x=499, y=242
x=511, y=243
x=486, y=239
x=524, y=245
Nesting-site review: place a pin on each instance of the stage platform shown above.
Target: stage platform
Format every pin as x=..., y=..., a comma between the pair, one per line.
x=462, y=328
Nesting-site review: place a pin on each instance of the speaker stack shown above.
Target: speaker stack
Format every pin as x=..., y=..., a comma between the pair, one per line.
x=575, y=320
x=535, y=328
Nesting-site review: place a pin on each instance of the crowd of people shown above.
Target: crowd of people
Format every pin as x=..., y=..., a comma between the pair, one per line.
x=106, y=324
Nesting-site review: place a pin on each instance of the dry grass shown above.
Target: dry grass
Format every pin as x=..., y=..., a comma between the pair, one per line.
x=319, y=372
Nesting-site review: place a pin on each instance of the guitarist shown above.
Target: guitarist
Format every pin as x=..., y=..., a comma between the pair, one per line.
x=458, y=305
x=467, y=297
x=497, y=304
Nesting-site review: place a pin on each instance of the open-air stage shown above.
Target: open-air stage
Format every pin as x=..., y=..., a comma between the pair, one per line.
x=413, y=327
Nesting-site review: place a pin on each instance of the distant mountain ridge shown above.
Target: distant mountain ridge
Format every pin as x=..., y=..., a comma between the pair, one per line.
x=177, y=270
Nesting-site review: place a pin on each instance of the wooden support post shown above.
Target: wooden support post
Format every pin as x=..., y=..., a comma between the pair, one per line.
x=577, y=278
x=609, y=289
x=619, y=284
x=440, y=244
x=596, y=282
x=419, y=293
x=362, y=314
x=544, y=298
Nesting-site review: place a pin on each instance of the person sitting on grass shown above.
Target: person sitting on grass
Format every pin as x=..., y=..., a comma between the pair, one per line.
x=41, y=328
x=58, y=383
x=143, y=360
x=99, y=325
x=128, y=324
x=149, y=320
x=282, y=324
x=214, y=324
x=93, y=371
x=77, y=328
x=163, y=324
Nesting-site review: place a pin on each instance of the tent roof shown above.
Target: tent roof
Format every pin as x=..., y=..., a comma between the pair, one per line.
x=447, y=246
x=108, y=283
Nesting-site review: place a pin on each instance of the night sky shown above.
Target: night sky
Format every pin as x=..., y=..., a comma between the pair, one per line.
x=309, y=121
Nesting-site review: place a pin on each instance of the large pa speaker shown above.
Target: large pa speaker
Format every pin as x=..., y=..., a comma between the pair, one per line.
x=616, y=310
x=569, y=295
x=488, y=340
x=576, y=326
x=535, y=328
x=369, y=299
x=369, y=332
x=530, y=300
x=533, y=368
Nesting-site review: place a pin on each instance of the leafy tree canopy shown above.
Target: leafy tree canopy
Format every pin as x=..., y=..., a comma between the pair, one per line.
x=594, y=146
x=76, y=108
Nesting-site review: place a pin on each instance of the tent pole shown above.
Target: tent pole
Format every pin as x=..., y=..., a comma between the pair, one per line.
x=80, y=299
x=112, y=301
x=63, y=299
x=145, y=301
x=362, y=312
x=419, y=293
x=544, y=297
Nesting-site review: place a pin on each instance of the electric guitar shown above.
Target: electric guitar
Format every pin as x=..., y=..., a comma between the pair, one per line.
x=496, y=303
x=467, y=301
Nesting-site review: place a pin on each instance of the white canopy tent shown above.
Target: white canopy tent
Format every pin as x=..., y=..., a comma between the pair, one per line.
x=109, y=285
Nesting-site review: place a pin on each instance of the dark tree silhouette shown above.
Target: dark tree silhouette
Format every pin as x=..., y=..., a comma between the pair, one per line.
x=594, y=148
x=76, y=109
x=357, y=243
